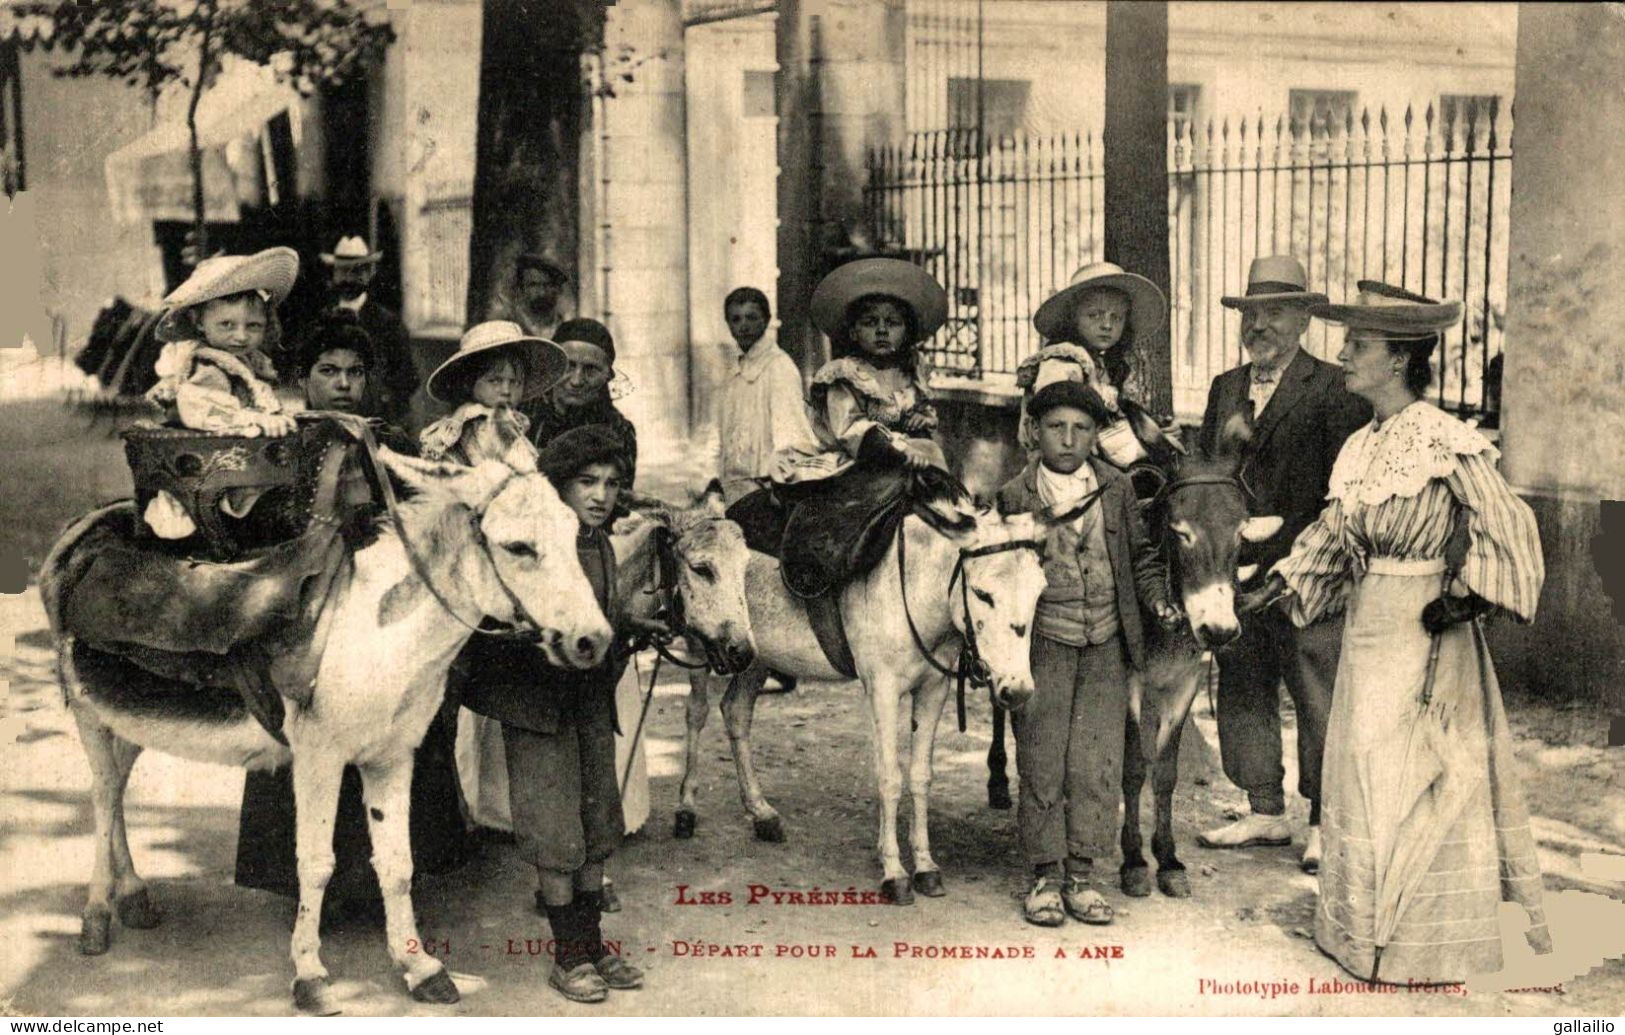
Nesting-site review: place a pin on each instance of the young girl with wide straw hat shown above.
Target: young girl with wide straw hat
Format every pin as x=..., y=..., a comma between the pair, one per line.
x=496, y=367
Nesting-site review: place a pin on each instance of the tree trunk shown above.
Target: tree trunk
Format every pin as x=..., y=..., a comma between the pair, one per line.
x=1136, y=163
x=533, y=105
x=200, y=217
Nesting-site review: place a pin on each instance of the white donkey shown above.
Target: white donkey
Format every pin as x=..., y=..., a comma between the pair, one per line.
x=963, y=578
x=493, y=540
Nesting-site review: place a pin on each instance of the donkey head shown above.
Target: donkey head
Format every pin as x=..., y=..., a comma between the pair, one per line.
x=521, y=563
x=1205, y=513
x=700, y=557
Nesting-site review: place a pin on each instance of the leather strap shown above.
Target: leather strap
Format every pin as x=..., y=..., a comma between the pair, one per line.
x=824, y=614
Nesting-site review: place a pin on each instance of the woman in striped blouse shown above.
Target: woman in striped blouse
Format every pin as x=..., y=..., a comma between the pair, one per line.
x=1424, y=822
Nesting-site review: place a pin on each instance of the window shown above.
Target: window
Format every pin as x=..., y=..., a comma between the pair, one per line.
x=758, y=94
x=1003, y=105
x=1182, y=101
x=1459, y=110
x=1320, y=112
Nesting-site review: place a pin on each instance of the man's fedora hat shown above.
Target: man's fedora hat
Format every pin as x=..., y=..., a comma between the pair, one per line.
x=1057, y=318
x=1275, y=278
x=270, y=272
x=892, y=278
x=350, y=251
x=1391, y=310
x=544, y=362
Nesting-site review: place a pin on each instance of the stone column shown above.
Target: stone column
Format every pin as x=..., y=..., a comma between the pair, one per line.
x=1563, y=404
x=840, y=90
x=642, y=198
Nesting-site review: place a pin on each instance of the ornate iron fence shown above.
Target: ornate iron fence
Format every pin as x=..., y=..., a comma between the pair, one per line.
x=1419, y=200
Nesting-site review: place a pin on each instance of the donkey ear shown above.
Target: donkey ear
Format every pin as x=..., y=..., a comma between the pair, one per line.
x=520, y=455
x=1258, y=529
x=713, y=501
x=1234, y=438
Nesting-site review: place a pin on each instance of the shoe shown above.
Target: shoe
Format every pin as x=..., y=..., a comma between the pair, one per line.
x=1084, y=903
x=1043, y=906
x=581, y=983
x=1247, y=832
x=1310, y=863
x=619, y=974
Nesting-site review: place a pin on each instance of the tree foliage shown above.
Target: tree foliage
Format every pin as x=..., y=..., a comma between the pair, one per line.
x=154, y=44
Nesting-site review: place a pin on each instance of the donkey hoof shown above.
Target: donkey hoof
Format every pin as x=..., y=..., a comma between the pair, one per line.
x=929, y=883
x=1174, y=883
x=136, y=911
x=897, y=891
x=770, y=829
x=998, y=796
x=439, y=988
x=683, y=828
x=1135, y=881
x=95, y=933
x=314, y=996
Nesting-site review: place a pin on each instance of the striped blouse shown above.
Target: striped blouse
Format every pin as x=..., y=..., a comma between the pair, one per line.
x=1395, y=492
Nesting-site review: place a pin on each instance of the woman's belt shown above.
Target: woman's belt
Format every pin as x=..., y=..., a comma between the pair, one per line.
x=1405, y=566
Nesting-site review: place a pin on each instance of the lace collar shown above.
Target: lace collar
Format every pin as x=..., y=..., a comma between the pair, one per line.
x=1396, y=458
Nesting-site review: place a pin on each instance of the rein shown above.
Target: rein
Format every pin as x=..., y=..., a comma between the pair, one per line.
x=363, y=434
x=672, y=611
x=969, y=667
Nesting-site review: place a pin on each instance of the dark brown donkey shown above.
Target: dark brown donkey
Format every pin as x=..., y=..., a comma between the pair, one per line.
x=1196, y=507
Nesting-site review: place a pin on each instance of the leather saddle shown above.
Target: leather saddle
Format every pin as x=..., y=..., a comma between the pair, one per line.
x=253, y=624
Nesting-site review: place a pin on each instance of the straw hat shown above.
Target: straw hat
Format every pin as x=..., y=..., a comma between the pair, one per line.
x=1391, y=310
x=1057, y=318
x=1275, y=278
x=892, y=278
x=543, y=361
x=350, y=251
x=270, y=272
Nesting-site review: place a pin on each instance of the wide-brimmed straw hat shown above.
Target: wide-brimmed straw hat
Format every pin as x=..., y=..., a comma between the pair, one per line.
x=892, y=278
x=1391, y=310
x=1057, y=318
x=543, y=361
x=270, y=272
x=1275, y=278
x=350, y=251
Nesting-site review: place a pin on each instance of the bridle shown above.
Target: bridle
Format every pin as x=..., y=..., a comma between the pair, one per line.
x=670, y=609
x=970, y=667
x=523, y=626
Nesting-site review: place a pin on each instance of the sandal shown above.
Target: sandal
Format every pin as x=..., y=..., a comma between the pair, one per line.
x=1084, y=903
x=1044, y=906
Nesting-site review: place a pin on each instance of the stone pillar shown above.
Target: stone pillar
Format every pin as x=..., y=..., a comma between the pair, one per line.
x=642, y=198
x=1563, y=404
x=1136, y=162
x=840, y=91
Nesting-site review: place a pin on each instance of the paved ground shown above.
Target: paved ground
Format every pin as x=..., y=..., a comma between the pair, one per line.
x=222, y=949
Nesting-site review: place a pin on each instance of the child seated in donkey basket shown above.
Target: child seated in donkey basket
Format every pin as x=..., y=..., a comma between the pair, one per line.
x=214, y=374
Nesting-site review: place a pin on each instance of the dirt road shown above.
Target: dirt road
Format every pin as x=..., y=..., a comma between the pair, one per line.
x=222, y=949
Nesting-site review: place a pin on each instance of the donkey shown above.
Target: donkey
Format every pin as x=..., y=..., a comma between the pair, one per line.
x=493, y=540
x=1196, y=504
x=686, y=567
x=955, y=579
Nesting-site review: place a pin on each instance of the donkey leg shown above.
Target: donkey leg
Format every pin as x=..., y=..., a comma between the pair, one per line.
x=386, y=787
x=738, y=710
x=884, y=701
x=929, y=700
x=316, y=779
x=1171, y=877
x=109, y=771
x=1134, y=877
x=699, y=704
x=130, y=896
x=998, y=781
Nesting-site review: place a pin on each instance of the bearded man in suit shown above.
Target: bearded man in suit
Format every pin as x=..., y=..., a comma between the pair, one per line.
x=1300, y=415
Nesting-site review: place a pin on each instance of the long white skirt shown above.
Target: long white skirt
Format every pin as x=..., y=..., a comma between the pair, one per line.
x=482, y=768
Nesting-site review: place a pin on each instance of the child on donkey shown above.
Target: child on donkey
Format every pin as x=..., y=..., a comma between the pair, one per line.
x=213, y=372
